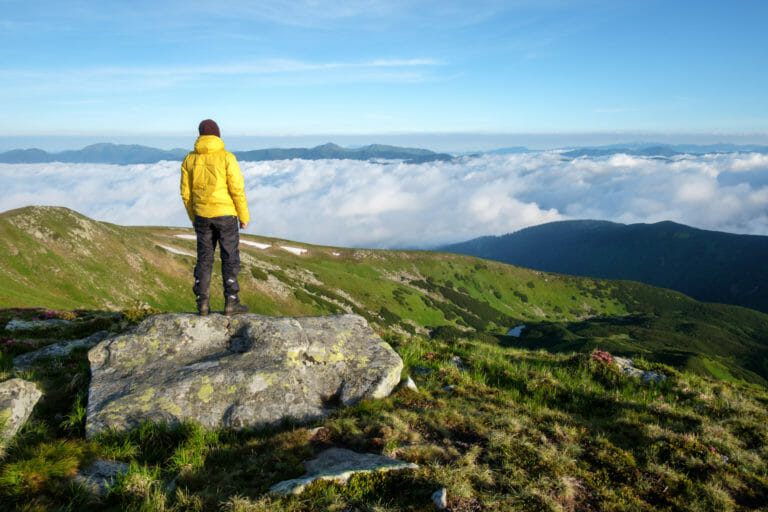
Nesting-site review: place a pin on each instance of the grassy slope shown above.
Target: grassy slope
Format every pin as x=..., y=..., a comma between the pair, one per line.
x=520, y=430
x=56, y=258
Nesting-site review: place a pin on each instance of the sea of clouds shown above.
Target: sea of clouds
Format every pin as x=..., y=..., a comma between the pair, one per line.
x=393, y=204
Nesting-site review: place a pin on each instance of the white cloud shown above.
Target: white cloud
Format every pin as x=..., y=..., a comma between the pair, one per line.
x=749, y=162
x=696, y=189
x=352, y=203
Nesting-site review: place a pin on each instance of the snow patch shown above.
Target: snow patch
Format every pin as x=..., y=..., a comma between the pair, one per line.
x=295, y=250
x=336, y=253
x=256, y=244
x=176, y=251
x=246, y=242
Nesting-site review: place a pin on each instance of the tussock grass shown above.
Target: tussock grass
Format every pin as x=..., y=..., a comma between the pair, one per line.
x=502, y=428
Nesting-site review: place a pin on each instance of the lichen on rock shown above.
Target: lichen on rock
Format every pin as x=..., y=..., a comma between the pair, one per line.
x=17, y=399
x=338, y=465
x=234, y=372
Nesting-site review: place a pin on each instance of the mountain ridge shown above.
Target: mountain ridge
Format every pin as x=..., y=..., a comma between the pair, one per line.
x=126, y=154
x=711, y=266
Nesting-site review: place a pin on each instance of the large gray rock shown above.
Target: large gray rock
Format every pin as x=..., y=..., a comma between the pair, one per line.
x=339, y=464
x=246, y=370
x=17, y=399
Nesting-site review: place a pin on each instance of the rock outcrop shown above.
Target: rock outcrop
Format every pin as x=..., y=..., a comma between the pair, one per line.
x=59, y=349
x=17, y=399
x=339, y=464
x=233, y=372
x=18, y=324
x=628, y=367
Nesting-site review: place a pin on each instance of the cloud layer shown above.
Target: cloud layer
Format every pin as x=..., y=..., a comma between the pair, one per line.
x=391, y=204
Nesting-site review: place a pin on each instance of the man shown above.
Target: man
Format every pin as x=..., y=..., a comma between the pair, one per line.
x=214, y=195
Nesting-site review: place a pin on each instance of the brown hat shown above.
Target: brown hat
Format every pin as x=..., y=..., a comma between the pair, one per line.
x=209, y=127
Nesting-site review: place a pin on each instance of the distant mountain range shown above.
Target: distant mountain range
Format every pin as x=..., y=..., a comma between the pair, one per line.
x=124, y=154
x=649, y=149
x=662, y=150
x=706, y=265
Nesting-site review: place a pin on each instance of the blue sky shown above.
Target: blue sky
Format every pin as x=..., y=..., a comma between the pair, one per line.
x=271, y=68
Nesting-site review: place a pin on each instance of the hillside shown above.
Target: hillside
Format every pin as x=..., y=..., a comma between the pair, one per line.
x=498, y=422
x=500, y=428
x=707, y=265
x=57, y=258
x=124, y=154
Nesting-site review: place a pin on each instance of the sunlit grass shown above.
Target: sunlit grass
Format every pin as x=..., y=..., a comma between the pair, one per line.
x=502, y=428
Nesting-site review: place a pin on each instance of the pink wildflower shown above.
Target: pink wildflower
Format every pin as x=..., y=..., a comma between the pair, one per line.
x=602, y=356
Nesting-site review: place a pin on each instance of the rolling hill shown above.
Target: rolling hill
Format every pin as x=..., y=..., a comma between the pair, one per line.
x=56, y=258
x=709, y=266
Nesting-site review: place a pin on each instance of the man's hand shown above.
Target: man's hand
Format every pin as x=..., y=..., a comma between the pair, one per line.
x=243, y=225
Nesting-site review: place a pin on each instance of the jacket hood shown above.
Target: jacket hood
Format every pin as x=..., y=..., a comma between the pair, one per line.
x=208, y=144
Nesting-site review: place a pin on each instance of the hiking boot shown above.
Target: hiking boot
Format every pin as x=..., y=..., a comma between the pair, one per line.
x=203, y=308
x=233, y=307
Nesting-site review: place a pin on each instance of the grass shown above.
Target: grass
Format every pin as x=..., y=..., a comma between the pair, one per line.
x=529, y=423
x=61, y=259
x=502, y=428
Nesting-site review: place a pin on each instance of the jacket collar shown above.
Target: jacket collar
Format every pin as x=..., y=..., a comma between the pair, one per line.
x=208, y=144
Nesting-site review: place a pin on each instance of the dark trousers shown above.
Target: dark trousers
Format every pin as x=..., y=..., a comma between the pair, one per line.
x=225, y=232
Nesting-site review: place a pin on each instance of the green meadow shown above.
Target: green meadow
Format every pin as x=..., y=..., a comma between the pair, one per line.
x=535, y=422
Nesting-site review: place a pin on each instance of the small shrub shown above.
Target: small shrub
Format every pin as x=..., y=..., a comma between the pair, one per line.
x=446, y=332
x=138, y=313
x=388, y=316
x=259, y=274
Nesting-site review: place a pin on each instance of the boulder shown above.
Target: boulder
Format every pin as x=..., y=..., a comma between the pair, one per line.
x=339, y=464
x=59, y=349
x=233, y=372
x=628, y=367
x=17, y=399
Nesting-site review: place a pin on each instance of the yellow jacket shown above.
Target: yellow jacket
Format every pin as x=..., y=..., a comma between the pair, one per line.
x=211, y=182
